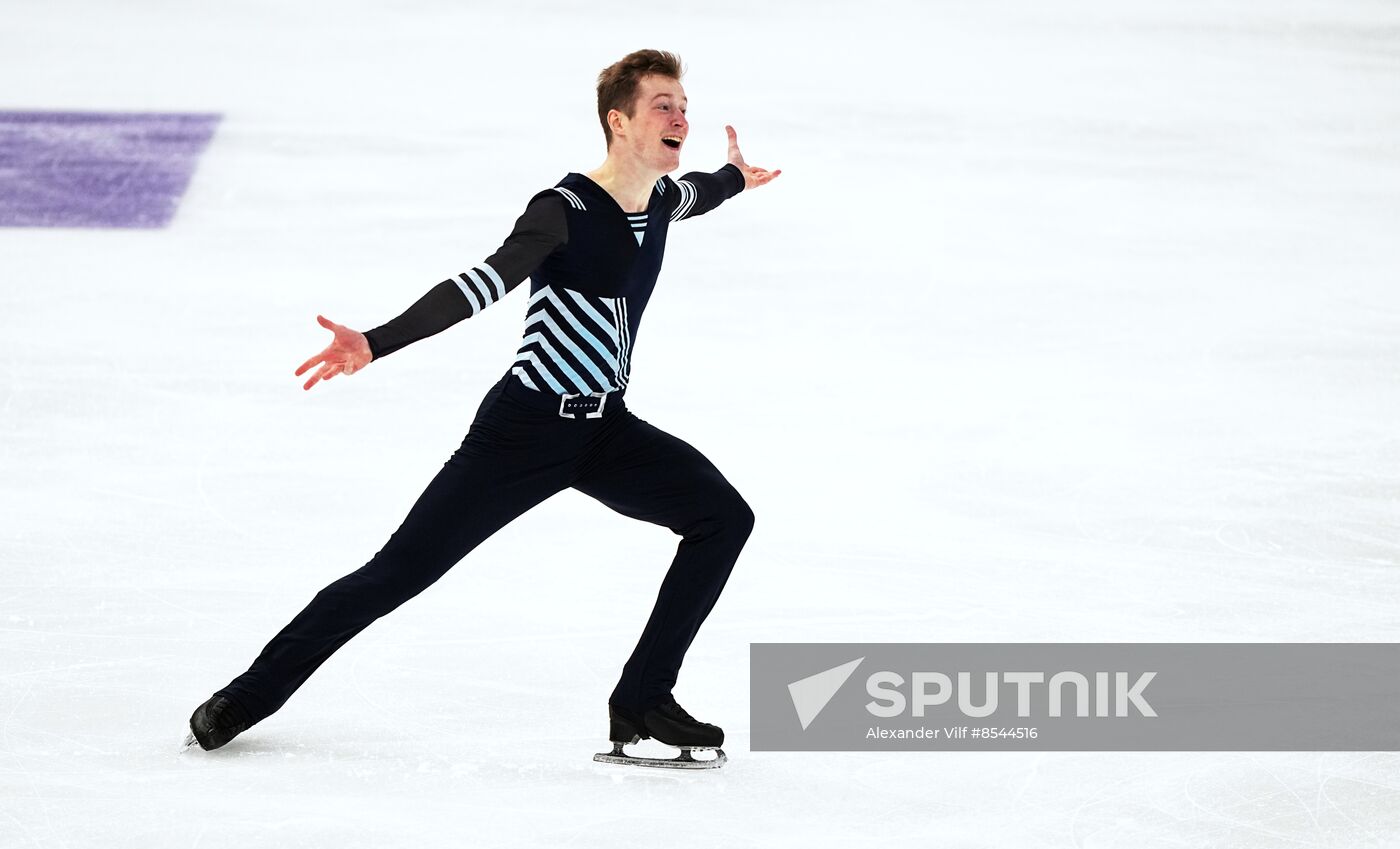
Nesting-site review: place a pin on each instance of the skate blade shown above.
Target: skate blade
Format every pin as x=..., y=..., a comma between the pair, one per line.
x=189, y=743
x=682, y=761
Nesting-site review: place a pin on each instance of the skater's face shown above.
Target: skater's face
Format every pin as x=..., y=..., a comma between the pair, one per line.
x=656, y=130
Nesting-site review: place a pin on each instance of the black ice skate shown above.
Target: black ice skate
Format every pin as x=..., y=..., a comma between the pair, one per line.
x=667, y=723
x=216, y=722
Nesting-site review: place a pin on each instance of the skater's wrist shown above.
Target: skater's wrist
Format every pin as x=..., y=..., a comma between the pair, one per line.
x=735, y=178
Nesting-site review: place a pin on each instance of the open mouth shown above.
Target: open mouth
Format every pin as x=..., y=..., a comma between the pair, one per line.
x=673, y=142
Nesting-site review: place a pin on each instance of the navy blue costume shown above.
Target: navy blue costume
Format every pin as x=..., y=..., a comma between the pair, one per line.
x=555, y=420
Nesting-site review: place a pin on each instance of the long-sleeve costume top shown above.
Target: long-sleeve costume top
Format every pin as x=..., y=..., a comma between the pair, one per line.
x=592, y=268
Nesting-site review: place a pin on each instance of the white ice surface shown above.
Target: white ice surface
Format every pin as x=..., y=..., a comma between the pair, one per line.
x=1065, y=322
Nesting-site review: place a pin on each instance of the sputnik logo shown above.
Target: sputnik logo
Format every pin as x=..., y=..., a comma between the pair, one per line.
x=811, y=694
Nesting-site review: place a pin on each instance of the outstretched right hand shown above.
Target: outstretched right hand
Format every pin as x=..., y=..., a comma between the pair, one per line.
x=348, y=353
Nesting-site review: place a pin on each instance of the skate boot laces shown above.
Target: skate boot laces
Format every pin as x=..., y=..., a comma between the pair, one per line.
x=673, y=707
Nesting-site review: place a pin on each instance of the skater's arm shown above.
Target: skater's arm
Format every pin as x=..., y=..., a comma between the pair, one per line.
x=539, y=231
x=701, y=192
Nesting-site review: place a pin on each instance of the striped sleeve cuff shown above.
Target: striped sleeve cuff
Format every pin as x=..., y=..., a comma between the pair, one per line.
x=482, y=286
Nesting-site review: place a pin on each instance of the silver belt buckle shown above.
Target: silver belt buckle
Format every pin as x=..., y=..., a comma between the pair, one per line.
x=598, y=414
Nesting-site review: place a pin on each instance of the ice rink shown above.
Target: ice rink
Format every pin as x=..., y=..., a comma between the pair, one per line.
x=1066, y=322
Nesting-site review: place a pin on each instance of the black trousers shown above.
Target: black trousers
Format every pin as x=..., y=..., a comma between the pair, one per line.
x=518, y=452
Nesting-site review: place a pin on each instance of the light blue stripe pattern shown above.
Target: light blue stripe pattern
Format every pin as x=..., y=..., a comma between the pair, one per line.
x=529, y=357
x=607, y=355
x=556, y=359
x=588, y=310
x=543, y=318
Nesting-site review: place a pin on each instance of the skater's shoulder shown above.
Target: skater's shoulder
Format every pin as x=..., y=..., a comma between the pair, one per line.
x=571, y=192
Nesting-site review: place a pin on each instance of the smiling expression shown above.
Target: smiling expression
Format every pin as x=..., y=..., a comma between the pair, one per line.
x=656, y=131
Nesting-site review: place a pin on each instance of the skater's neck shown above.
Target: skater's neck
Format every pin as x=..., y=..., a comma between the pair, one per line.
x=629, y=181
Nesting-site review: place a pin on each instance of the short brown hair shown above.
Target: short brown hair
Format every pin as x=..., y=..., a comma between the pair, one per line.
x=617, y=84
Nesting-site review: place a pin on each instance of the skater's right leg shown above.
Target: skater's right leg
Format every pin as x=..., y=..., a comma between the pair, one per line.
x=507, y=464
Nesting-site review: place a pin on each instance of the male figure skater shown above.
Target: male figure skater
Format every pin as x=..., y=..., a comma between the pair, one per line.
x=592, y=246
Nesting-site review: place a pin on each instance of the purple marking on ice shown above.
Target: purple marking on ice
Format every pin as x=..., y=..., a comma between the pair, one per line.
x=97, y=169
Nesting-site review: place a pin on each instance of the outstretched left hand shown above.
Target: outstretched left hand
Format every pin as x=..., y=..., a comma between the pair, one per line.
x=752, y=176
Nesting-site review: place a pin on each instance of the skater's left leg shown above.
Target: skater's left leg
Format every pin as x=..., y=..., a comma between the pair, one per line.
x=646, y=473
